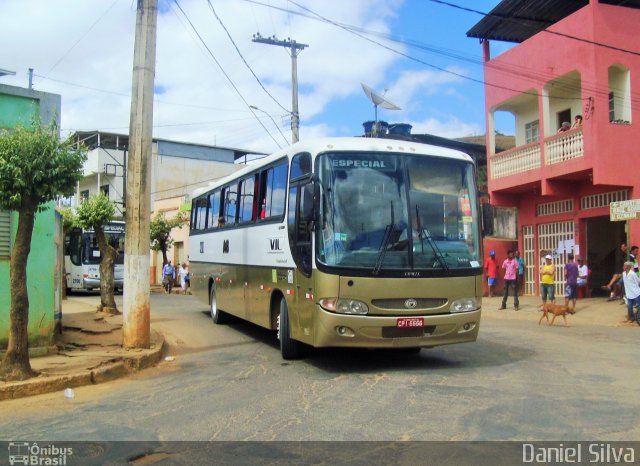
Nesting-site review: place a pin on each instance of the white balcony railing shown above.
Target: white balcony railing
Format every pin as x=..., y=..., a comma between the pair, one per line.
x=563, y=147
x=514, y=161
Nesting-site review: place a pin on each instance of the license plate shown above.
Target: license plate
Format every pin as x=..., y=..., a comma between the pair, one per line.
x=410, y=322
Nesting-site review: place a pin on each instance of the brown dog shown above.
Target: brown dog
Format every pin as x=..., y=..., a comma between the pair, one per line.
x=556, y=310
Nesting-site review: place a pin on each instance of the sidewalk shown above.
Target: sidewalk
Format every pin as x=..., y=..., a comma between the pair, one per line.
x=589, y=312
x=89, y=351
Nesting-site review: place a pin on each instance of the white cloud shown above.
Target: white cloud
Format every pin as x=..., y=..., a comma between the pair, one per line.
x=83, y=50
x=452, y=127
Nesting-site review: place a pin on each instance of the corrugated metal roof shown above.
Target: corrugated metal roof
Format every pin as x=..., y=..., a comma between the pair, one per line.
x=518, y=20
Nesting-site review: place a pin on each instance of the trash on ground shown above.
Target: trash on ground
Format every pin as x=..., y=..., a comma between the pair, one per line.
x=69, y=393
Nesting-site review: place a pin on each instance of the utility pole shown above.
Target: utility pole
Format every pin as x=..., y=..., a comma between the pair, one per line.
x=136, y=316
x=295, y=48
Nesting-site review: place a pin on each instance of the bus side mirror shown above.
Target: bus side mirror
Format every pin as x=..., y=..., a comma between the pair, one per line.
x=487, y=219
x=311, y=201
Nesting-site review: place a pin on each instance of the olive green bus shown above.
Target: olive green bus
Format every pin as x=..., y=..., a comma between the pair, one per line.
x=344, y=242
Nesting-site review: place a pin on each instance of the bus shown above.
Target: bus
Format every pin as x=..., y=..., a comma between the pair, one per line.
x=82, y=257
x=344, y=242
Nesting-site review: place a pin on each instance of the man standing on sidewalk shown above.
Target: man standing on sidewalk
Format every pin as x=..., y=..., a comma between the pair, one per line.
x=168, y=277
x=491, y=267
x=571, y=288
x=510, y=267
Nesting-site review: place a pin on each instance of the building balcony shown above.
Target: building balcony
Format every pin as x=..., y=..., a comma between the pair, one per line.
x=556, y=149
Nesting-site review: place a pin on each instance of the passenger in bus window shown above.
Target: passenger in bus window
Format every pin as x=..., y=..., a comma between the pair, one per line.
x=220, y=221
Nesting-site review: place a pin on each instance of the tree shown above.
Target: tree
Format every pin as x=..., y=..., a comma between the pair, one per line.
x=160, y=232
x=96, y=212
x=35, y=168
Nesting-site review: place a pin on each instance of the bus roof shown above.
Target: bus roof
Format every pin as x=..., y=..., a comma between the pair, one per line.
x=343, y=144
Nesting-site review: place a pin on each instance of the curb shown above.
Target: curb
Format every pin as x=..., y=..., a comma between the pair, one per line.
x=109, y=370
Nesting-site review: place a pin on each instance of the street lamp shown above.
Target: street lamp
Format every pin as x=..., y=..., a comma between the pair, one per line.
x=253, y=107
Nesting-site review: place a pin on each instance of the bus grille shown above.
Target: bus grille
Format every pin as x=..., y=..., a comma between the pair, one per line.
x=399, y=303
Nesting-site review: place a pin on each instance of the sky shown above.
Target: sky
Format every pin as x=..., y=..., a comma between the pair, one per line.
x=209, y=72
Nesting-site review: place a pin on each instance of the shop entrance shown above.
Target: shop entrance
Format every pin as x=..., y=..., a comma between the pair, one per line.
x=603, y=251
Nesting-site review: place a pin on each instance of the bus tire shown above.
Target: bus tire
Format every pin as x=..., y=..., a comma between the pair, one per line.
x=219, y=317
x=289, y=348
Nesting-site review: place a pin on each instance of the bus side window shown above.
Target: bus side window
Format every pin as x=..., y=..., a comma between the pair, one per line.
x=214, y=210
x=300, y=165
x=273, y=191
x=246, y=202
x=230, y=205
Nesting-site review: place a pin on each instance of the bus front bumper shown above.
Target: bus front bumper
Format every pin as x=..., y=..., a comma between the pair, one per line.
x=90, y=283
x=383, y=331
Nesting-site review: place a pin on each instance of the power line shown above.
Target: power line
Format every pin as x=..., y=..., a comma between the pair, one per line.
x=225, y=73
x=81, y=37
x=243, y=59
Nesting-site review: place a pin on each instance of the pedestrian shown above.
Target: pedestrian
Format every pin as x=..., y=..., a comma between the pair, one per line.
x=168, y=277
x=510, y=267
x=187, y=278
x=548, y=280
x=616, y=283
x=491, y=268
x=631, y=288
x=583, y=277
x=520, y=284
x=183, y=273
x=571, y=275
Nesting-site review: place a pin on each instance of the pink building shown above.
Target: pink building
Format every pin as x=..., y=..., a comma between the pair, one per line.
x=571, y=58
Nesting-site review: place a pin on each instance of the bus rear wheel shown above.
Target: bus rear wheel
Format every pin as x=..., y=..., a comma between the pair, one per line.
x=219, y=317
x=289, y=348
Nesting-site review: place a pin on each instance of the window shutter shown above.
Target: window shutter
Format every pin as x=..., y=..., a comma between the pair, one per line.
x=5, y=233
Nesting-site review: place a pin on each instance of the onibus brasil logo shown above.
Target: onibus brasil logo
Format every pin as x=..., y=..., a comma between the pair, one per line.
x=33, y=454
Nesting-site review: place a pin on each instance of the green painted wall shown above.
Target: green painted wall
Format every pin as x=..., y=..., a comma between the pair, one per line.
x=40, y=281
x=16, y=110
x=19, y=105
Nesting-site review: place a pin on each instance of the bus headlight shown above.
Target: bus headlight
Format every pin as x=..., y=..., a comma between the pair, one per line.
x=344, y=306
x=463, y=305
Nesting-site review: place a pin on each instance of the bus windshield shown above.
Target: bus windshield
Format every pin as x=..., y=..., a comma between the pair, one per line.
x=91, y=251
x=397, y=212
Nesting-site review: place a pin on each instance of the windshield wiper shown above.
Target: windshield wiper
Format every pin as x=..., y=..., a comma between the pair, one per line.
x=388, y=232
x=425, y=233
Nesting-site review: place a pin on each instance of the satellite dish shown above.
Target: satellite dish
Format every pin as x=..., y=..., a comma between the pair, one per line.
x=378, y=99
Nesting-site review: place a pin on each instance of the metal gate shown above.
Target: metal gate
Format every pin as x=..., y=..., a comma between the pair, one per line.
x=556, y=239
x=529, y=260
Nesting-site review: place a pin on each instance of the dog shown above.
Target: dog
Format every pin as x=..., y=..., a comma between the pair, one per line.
x=556, y=310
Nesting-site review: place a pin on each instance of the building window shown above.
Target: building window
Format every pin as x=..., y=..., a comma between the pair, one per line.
x=105, y=190
x=556, y=207
x=619, y=94
x=5, y=233
x=594, y=201
x=532, y=131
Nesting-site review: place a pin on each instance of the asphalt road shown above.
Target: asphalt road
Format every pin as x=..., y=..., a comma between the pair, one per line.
x=519, y=381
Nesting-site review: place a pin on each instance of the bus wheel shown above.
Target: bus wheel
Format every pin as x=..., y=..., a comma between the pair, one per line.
x=289, y=348
x=217, y=315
